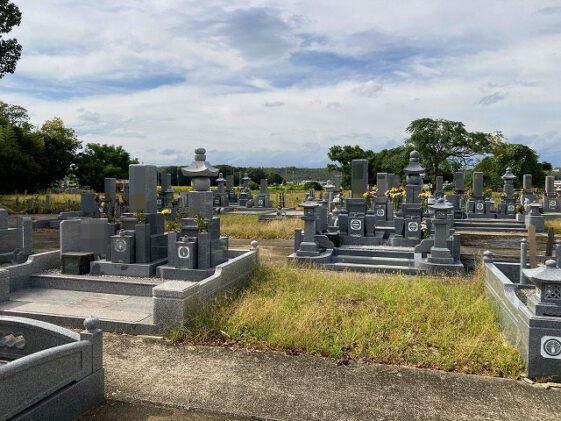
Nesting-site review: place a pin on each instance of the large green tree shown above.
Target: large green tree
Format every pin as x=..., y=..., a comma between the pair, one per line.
x=343, y=155
x=521, y=158
x=392, y=160
x=61, y=145
x=10, y=49
x=97, y=162
x=446, y=146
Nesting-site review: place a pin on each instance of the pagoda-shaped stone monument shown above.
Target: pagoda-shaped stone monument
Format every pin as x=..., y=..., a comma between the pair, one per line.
x=245, y=193
x=221, y=199
x=408, y=219
x=507, y=207
x=198, y=248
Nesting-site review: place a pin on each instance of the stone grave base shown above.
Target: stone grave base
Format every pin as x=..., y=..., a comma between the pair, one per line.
x=349, y=240
x=363, y=259
x=400, y=241
x=472, y=215
x=180, y=274
x=103, y=267
x=522, y=328
x=493, y=224
x=137, y=305
x=551, y=216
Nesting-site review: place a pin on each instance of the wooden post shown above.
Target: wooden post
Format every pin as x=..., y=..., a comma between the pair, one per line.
x=532, y=247
x=550, y=238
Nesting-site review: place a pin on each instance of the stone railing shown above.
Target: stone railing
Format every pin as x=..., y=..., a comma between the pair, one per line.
x=51, y=372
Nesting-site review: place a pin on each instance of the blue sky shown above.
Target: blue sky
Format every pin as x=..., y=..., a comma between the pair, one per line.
x=275, y=83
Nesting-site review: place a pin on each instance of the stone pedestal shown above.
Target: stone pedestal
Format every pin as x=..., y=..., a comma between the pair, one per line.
x=534, y=217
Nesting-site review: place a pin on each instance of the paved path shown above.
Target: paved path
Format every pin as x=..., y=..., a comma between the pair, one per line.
x=274, y=386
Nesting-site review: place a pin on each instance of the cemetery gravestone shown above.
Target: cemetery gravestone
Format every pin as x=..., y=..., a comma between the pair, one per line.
x=359, y=177
x=551, y=203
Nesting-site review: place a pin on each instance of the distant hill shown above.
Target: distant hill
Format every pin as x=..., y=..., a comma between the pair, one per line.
x=298, y=175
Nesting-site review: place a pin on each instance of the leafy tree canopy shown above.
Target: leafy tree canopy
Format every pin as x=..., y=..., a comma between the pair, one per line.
x=446, y=146
x=97, y=162
x=521, y=158
x=10, y=49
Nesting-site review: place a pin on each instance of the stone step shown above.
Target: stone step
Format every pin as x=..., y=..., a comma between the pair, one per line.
x=489, y=228
x=356, y=267
x=71, y=322
x=375, y=261
x=489, y=222
x=124, y=313
x=103, y=284
x=385, y=253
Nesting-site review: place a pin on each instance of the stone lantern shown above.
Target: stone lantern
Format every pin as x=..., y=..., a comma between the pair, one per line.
x=329, y=189
x=508, y=189
x=245, y=181
x=547, y=279
x=414, y=179
x=221, y=196
x=308, y=247
x=439, y=252
x=201, y=198
x=245, y=193
x=534, y=217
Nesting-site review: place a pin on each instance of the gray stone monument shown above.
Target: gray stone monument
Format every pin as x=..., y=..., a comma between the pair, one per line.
x=527, y=190
x=507, y=207
x=245, y=193
x=198, y=248
x=551, y=203
x=534, y=217
x=142, y=188
x=141, y=243
x=407, y=222
x=479, y=206
x=263, y=200
x=15, y=243
x=457, y=198
x=381, y=206
x=221, y=199
x=359, y=177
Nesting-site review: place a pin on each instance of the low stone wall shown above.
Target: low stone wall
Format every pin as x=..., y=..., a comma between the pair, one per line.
x=51, y=373
x=18, y=275
x=175, y=301
x=522, y=328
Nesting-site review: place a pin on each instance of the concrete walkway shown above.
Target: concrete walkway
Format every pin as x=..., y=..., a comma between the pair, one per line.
x=273, y=386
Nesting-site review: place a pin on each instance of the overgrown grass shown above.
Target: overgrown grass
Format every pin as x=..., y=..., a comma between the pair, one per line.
x=247, y=226
x=440, y=323
x=37, y=203
x=556, y=224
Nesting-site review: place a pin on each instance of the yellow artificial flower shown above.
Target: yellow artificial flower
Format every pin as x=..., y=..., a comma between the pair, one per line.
x=165, y=211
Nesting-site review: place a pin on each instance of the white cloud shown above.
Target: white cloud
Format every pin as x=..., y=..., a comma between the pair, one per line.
x=278, y=82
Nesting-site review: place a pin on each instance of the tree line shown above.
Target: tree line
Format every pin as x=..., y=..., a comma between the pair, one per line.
x=34, y=158
x=446, y=147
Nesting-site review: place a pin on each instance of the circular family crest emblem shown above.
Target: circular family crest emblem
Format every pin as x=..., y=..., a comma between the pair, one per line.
x=479, y=206
x=552, y=347
x=260, y=203
x=553, y=204
x=380, y=212
x=356, y=224
x=510, y=208
x=413, y=226
x=183, y=252
x=120, y=245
